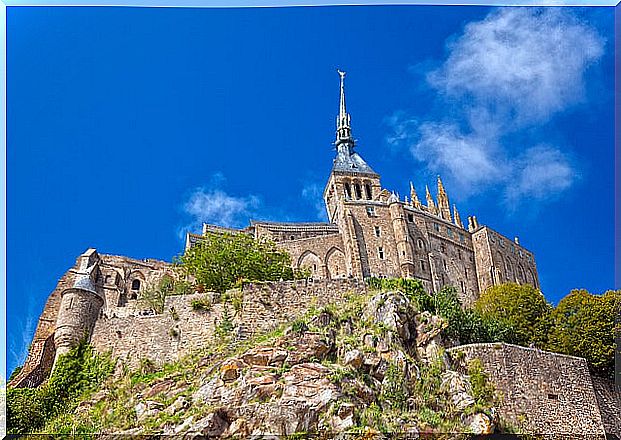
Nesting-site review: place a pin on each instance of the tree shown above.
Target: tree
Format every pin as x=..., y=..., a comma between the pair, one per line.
x=521, y=307
x=583, y=325
x=154, y=296
x=219, y=261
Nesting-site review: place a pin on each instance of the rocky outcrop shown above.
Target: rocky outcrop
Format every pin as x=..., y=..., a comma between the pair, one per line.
x=373, y=365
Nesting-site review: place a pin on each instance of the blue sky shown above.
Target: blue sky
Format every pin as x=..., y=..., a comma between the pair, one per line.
x=128, y=126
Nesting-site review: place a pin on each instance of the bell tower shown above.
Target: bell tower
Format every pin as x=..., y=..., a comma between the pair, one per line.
x=352, y=184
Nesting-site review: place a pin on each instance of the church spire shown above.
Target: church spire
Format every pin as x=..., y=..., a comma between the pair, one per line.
x=343, y=123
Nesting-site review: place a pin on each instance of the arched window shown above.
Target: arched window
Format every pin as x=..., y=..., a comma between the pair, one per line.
x=358, y=190
x=136, y=285
x=367, y=187
x=420, y=244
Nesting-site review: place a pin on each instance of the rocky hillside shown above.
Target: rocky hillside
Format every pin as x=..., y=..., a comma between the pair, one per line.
x=373, y=365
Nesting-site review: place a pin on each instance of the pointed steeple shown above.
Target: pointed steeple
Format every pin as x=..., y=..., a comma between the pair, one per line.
x=444, y=206
x=347, y=160
x=414, y=197
x=343, y=123
x=456, y=217
x=431, y=205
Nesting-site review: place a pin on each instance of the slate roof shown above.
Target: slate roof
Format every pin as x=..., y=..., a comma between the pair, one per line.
x=351, y=162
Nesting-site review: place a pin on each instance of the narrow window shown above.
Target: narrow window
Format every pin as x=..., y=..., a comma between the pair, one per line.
x=378, y=231
x=358, y=191
x=422, y=265
x=370, y=211
x=347, y=191
x=420, y=243
x=462, y=238
x=463, y=287
x=444, y=264
x=436, y=227
x=292, y=237
x=466, y=271
x=449, y=231
x=459, y=253
x=367, y=187
x=411, y=218
x=442, y=247
x=314, y=267
x=380, y=252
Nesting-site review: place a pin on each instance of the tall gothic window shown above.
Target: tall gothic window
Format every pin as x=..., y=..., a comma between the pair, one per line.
x=367, y=187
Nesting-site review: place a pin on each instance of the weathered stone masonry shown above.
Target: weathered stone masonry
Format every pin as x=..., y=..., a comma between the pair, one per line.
x=374, y=232
x=371, y=232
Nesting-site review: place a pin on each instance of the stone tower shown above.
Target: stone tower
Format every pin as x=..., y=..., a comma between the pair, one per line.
x=351, y=180
x=79, y=306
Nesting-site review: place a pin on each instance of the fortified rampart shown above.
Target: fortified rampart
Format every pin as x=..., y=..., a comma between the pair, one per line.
x=180, y=329
x=544, y=392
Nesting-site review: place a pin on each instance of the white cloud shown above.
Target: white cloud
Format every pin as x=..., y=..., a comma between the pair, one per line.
x=525, y=63
x=541, y=173
x=18, y=347
x=468, y=158
x=506, y=75
x=213, y=205
x=313, y=192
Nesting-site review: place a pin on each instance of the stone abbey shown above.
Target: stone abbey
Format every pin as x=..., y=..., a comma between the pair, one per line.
x=372, y=233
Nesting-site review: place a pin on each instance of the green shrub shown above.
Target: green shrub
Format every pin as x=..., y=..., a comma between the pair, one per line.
x=220, y=260
x=78, y=372
x=201, y=304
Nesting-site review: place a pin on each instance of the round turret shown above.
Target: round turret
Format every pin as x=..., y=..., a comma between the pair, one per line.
x=79, y=309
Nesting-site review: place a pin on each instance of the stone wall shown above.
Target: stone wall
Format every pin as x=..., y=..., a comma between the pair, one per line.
x=541, y=392
x=501, y=260
x=609, y=400
x=171, y=335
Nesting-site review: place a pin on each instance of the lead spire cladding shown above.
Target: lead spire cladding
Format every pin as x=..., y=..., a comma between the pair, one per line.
x=343, y=122
x=347, y=160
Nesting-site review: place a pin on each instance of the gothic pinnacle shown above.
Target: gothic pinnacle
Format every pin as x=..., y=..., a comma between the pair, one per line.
x=456, y=217
x=414, y=196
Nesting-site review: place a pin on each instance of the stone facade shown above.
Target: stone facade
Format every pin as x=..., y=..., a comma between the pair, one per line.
x=543, y=392
x=372, y=232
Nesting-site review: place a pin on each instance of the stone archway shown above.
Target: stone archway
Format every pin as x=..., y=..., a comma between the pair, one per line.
x=335, y=263
x=311, y=261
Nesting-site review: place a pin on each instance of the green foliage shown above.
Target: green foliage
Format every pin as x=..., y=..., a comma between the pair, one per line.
x=201, y=304
x=483, y=391
x=219, y=261
x=154, y=296
x=76, y=373
x=394, y=388
x=225, y=326
x=413, y=289
x=521, y=307
x=583, y=325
